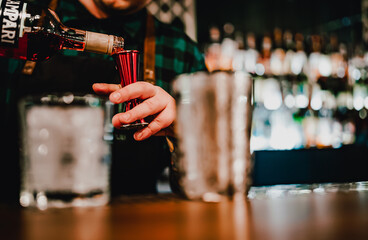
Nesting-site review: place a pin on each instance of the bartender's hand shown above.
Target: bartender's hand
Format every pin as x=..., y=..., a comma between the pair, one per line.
x=157, y=103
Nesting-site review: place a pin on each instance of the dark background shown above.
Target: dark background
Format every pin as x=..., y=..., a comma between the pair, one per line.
x=341, y=17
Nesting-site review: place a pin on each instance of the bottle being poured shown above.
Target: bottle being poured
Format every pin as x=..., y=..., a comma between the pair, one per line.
x=33, y=33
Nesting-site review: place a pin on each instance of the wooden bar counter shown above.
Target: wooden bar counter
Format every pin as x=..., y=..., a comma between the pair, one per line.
x=332, y=215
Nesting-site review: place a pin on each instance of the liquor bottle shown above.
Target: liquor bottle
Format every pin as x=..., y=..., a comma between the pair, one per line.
x=266, y=54
x=277, y=59
x=228, y=48
x=212, y=49
x=251, y=55
x=29, y=32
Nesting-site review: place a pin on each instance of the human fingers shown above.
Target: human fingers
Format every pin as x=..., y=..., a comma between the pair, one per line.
x=150, y=107
x=163, y=120
x=147, y=108
x=105, y=88
x=141, y=90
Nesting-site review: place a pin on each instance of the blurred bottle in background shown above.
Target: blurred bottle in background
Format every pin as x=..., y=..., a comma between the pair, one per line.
x=308, y=91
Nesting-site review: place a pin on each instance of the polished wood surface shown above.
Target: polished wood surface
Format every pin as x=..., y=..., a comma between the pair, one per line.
x=334, y=215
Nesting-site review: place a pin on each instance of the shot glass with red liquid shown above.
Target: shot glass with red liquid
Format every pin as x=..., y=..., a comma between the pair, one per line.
x=127, y=64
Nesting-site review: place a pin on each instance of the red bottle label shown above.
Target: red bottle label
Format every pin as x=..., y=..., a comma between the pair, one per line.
x=10, y=19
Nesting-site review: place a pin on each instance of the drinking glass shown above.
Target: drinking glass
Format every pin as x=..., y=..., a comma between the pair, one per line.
x=127, y=64
x=65, y=154
x=214, y=114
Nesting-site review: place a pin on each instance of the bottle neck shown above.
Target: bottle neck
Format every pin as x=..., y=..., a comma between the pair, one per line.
x=92, y=42
x=103, y=43
x=75, y=39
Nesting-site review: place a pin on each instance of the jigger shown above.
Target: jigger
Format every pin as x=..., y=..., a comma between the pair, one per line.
x=127, y=64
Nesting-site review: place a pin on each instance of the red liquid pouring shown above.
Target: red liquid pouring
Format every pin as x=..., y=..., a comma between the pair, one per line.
x=127, y=63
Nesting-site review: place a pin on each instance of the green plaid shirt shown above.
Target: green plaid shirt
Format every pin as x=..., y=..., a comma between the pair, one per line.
x=176, y=53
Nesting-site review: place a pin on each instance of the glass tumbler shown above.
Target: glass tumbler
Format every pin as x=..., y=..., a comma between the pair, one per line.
x=214, y=113
x=65, y=153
